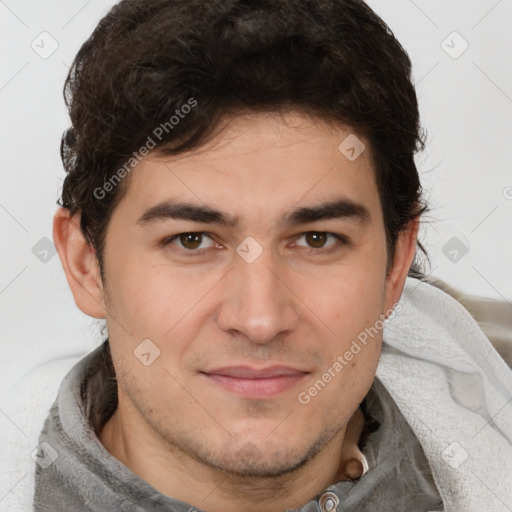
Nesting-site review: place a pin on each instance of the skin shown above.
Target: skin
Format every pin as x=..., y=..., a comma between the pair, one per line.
x=297, y=305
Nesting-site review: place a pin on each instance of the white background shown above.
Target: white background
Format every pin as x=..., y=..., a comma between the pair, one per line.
x=466, y=109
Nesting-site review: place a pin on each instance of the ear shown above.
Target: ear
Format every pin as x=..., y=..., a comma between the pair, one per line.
x=405, y=250
x=79, y=262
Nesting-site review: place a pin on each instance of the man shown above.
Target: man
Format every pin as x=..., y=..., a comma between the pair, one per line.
x=241, y=204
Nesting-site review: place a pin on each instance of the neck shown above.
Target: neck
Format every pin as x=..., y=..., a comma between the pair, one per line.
x=176, y=474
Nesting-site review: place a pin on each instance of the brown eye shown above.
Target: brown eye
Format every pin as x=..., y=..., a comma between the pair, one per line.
x=319, y=239
x=316, y=239
x=190, y=242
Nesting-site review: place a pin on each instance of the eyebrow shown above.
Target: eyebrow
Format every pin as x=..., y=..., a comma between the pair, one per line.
x=340, y=208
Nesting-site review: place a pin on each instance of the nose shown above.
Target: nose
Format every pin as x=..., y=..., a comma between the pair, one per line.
x=258, y=302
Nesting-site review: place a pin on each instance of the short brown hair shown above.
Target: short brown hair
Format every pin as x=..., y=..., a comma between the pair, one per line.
x=334, y=59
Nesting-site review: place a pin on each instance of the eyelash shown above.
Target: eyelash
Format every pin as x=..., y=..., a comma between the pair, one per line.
x=343, y=241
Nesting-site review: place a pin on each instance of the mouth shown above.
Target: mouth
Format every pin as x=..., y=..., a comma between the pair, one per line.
x=255, y=383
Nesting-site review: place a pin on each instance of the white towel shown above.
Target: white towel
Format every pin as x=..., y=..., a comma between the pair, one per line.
x=455, y=391
x=448, y=380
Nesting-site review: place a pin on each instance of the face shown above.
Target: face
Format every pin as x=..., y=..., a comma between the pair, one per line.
x=250, y=295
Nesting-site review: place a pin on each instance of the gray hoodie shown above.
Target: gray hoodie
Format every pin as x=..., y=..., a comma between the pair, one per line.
x=84, y=476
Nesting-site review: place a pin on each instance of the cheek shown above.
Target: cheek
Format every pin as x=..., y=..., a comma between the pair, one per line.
x=150, y=299
x=345, y=301
x=349, y=306
x=351, y=354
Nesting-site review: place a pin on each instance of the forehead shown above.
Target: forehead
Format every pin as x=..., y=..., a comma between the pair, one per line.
x=260, y=163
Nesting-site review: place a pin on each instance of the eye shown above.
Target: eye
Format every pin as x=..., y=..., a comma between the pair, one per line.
x=318, y=239
x=193, y=242
x=190, y=241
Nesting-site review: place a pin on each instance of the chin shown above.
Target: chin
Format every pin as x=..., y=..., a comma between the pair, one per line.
x=252, y=464
x=263, y=460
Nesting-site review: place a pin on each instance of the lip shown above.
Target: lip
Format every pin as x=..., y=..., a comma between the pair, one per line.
x=254, y=383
